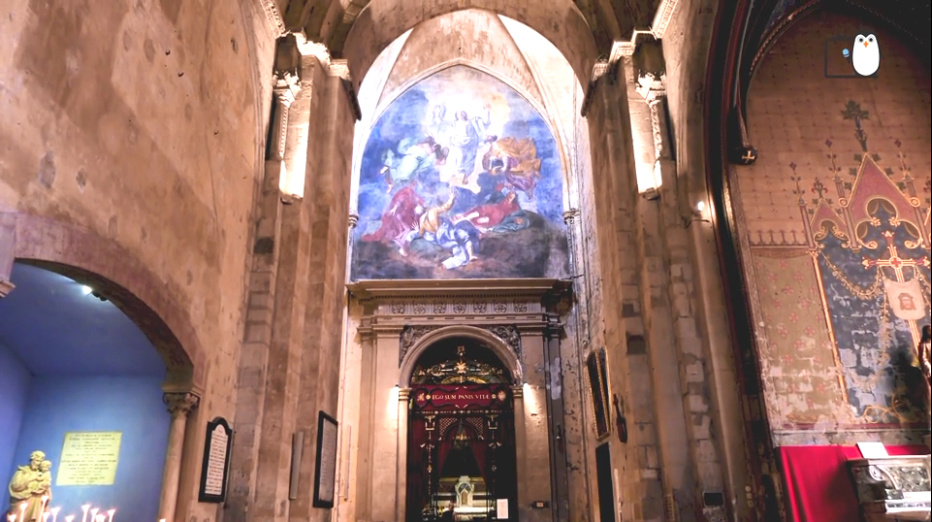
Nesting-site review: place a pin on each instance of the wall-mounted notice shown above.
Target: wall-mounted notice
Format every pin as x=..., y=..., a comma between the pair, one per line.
x=89, y=458
x=216, y=463
x=326, y=473
x=501, y=509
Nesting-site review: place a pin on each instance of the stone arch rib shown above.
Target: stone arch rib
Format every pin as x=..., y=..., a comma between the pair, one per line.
x=89, y=258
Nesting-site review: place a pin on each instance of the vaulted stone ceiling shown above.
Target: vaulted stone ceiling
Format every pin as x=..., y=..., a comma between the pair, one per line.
x=329, y=21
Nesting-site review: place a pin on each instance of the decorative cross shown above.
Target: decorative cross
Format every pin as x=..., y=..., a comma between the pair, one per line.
x=749, y=156
x=895, y=262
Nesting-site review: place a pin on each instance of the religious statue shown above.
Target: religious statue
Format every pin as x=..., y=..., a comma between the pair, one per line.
x=31, y=489
x=925, y=356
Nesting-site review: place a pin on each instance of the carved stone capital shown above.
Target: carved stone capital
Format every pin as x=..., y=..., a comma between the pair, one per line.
x=5, y=288
x=286, y=85
x=181, y=403
x=569, y=217
x=652, y=87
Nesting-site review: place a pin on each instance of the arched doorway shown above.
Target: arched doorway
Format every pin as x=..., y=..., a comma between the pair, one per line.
x=461, y=435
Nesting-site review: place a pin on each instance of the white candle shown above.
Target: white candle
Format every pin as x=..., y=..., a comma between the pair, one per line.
x=99, y=518
x=110, y=514
x=45, y=517
x=69, y=518
x=11, y=518
x=84, y=508
x=22, y=511
x=45, y=499
x=54, y=511
x=94, y=514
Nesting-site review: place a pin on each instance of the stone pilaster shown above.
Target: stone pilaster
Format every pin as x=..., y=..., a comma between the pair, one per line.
x=273, y=347
x=329, y=151
x=180, y=405
x=617, y=322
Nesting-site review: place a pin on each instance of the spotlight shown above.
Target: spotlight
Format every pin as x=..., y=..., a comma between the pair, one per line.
x=700, y=206
x=86, y=289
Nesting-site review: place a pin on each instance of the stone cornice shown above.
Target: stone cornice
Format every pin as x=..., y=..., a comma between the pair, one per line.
x=273, y=18
x=382, y=290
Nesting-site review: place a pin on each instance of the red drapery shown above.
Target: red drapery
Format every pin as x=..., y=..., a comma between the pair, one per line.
x=417, y=464
x=816, y=481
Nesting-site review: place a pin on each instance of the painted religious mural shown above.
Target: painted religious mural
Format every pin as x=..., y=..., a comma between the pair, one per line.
x=460, y=178
x=864, y=246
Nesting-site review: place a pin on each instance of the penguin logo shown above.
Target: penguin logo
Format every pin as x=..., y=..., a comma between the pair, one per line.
x=865, y=54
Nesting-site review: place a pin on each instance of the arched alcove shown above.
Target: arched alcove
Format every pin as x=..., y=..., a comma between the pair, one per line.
x=78, y=379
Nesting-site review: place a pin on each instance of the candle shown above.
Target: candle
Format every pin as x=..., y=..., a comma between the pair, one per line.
x=22, y=511
x=94, y=514
x=54, y=511
x=84, y=508
x=45, y=499
x=69, y=518
x=11, y=518
x=45, y=517
x=99, y=518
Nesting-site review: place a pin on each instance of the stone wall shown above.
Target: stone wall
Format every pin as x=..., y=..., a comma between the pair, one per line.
x=137, y=124
x=827, y=147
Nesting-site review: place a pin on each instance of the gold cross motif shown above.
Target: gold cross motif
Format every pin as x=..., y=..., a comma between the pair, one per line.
x=895, y=262
x=749, y=156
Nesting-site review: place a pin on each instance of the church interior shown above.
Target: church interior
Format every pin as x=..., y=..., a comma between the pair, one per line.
x=465, y=260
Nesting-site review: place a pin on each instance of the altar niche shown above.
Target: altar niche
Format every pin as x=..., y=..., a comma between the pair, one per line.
x=461, y=461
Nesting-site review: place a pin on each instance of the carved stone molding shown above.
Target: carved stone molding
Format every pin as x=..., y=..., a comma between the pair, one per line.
x=409, y=337
x=510, y=335
x=662, y=18
x=181, y=403
x=273, y=18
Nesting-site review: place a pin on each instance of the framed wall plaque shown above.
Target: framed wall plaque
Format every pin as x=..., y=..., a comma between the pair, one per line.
x=325, y=474
x=598, y=388
x=216, y=466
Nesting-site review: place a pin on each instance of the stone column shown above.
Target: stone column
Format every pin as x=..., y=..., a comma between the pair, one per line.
x=179, y=405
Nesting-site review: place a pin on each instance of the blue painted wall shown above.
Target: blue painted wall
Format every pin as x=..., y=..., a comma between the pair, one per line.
x=14, y=387
x=131, y=405
x=460, y=177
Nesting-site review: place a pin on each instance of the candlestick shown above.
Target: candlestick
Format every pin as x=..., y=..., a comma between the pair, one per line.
x=110, y=514
x=22, y=511
x=99, y=518
x=54, y=511
x=45, y=517
x=45, y=499
x=84, y=508
x=94, y=514
x=11, y=518
x=69, y=518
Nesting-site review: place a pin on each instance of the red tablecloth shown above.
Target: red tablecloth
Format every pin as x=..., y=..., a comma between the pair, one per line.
x=818, y=488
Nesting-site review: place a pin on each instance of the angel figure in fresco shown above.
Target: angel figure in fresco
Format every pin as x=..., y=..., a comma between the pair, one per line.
x=411, y=158
x=31, y=488
x=515, y=159
x=463, y=137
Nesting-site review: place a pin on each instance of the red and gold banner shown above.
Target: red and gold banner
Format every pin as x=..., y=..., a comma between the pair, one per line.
x=462, y=397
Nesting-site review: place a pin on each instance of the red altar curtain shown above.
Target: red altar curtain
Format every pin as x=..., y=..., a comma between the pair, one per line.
x=817, y=485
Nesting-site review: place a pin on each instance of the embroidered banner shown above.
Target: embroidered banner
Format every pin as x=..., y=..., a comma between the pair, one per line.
x=905, y=299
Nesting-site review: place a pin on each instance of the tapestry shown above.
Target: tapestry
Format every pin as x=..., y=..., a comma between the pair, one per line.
x=461, y=177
